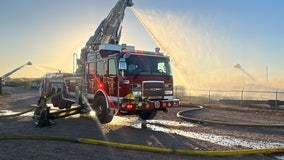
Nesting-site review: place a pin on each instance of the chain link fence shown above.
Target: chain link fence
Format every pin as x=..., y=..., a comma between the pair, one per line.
x=242, y=97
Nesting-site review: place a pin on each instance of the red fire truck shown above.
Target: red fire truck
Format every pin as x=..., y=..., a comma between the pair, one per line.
x=113, y=79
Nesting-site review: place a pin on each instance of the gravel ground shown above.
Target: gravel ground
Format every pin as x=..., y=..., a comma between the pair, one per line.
x=232, y=115
x=123, y=130
x=241, y=116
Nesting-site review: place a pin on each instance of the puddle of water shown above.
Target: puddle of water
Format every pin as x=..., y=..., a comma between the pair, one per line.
x=31, y=113
x=123, y=121
x=217, y=139
x=279, y=157
x=133, y=120
x=171, y=123
x=8, y=112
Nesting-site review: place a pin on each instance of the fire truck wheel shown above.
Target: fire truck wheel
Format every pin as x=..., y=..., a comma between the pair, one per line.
x=54, y=99
x=102, y=112
x=147, y=115
x=57, y=100
x=64, y=104
x=61, y=103
x=68, y=104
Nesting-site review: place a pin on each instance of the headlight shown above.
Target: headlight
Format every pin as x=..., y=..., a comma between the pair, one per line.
x=137, y=93
x=168, y=92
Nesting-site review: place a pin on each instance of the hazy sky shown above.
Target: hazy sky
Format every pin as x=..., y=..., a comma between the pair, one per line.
x=245, y=32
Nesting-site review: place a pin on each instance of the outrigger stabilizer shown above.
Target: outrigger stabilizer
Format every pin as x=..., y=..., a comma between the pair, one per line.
x=43, y=117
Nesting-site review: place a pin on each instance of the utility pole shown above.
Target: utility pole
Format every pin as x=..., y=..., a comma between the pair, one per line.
x=1, y=86
x=266, y=73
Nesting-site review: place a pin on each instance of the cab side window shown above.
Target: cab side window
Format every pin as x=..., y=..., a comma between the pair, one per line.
x=111, y=67
x=91, y=68
x=101, y=68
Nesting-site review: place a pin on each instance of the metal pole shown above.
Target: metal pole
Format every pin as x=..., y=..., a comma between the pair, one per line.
x=190, y=96
x=74, y=62
x=242, y=98
x=209, y=96
x=266, y=73
x=1, y=86
x=276, y=98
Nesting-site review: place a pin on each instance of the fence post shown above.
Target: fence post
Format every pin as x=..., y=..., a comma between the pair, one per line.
x=242, y=98
x=1, y=86
x=209, y=96
x=190, y=95
x=276, y=98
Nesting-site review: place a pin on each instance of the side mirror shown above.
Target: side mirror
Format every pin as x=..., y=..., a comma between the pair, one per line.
x=122, y=64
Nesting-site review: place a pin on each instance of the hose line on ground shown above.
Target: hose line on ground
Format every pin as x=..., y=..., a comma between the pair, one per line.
x=147, y=148
x=31, y=109
x=18, y=114
x=180, y=114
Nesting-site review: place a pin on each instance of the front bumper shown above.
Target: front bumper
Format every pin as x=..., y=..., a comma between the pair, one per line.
x=133, y=106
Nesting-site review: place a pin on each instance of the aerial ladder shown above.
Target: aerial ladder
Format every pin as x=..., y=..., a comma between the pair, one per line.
x=13, y=71
x=2, y=78
x=108, y=31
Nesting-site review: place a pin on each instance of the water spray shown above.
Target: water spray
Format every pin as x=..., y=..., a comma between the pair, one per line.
x=194, y=50
x=176, y=65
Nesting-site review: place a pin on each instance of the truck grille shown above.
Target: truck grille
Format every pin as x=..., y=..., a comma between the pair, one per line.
x=153, y=89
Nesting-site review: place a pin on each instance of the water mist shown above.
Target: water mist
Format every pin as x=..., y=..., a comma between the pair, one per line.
x=201, y=57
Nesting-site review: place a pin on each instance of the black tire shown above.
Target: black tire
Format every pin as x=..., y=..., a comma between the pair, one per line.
x=57, y=101
x=63, y=104
x=54, y=99
x=148, y=115
x=102, y=112
x=68, y=104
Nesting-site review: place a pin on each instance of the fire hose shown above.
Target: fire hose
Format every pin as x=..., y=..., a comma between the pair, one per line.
x=18, y=114
x=34, y=106
x=202, y=121
x=147, y=148
x=225, y=153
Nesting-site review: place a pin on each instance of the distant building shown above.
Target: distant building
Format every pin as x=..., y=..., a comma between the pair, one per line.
x=35, y=84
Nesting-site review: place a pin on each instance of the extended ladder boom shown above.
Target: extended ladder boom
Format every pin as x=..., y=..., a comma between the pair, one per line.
x=13, y=71
x=109, y=30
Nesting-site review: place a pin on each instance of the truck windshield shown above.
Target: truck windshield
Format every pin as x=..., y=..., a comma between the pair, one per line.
x=148, y=65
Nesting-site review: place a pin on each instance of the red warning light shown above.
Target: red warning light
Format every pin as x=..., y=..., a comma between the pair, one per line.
x=101, y=85
x=129, y=106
